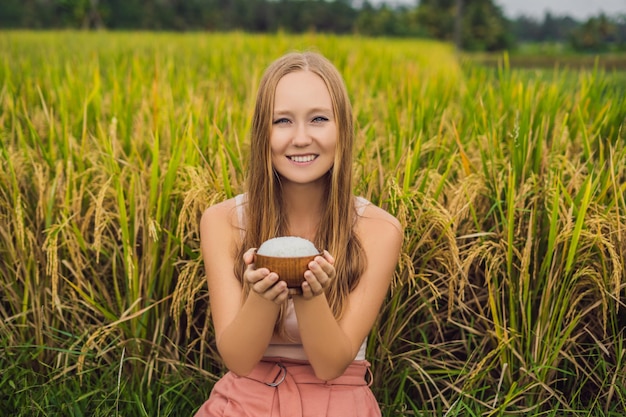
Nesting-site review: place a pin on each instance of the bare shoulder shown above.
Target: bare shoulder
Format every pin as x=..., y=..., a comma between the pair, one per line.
x=219, y=221
x=381, y=234
x=381, y=237
x=375, y=220
x=224, y=210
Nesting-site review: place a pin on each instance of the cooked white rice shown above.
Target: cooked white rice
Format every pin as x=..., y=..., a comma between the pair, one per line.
x=287, y=246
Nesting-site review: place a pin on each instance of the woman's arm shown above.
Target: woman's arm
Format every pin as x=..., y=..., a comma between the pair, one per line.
x=330, y=345
x=242, y=329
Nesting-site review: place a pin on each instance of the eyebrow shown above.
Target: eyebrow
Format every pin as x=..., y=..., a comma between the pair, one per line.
x=313, y=110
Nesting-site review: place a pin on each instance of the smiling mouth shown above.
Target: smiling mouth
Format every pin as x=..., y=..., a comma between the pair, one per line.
x=302, y=158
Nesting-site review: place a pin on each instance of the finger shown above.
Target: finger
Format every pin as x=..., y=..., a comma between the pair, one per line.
x=279, y=292
x=329, y=258
x=263, y=285
x=326, y=263
x=313, y=282
x=253, y=275
x=323, y=270
x=248, y=256
x=307, y=293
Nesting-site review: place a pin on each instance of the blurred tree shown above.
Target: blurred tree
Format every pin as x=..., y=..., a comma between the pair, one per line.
x=127, y=14
x=483, y=26
x=482, y=23
x=552, y=28
x=92, y=17
x=620, y=27
x=385, y=20
x=365, y=19
x=12, y=15
x=526, y=28
x=73, y=13
x=549, y=28
x=437, y=17
x=597, y=34
x=313, y=15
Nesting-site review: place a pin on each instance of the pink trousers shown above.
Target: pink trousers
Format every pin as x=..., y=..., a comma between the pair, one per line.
x=283, y=387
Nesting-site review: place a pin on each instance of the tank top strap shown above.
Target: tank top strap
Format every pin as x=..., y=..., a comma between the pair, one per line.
x=360, y=203
x=240, y=200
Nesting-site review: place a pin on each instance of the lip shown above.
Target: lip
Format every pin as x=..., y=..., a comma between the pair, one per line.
x=302, y=159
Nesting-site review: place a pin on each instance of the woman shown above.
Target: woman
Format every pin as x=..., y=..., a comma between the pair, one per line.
x=298, y=355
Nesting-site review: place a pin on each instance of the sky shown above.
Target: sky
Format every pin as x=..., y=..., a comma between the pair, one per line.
x=578, y=9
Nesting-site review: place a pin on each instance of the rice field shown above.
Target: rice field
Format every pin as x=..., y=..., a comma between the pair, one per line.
x=509, y=298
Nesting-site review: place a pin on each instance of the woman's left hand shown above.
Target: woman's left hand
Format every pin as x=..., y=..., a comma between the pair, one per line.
x=319, y=275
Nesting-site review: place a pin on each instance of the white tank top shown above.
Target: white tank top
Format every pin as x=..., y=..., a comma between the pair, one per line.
x=295, y=350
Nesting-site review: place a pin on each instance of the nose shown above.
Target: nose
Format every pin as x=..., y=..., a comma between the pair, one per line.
x=301, y=136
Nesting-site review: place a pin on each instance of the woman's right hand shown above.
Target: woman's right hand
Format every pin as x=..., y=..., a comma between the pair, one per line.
x=264, y=282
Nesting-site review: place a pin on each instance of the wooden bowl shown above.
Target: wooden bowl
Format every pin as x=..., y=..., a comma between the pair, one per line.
x=289, y=269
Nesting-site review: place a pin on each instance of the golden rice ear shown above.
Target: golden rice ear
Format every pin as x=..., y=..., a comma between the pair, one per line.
x=291, y=270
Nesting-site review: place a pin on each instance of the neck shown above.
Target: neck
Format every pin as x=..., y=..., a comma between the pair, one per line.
x=304, y=205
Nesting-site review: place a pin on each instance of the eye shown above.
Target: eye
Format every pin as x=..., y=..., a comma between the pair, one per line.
x=319, y=119
x=281, y=120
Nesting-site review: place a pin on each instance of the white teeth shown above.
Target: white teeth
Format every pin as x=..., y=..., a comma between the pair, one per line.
x=307, y=158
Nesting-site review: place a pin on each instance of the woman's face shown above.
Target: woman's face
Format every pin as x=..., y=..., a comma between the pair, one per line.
x=304, y=131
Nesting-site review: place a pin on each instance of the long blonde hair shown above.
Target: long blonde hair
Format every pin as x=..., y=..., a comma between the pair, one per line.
x=265, y=216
